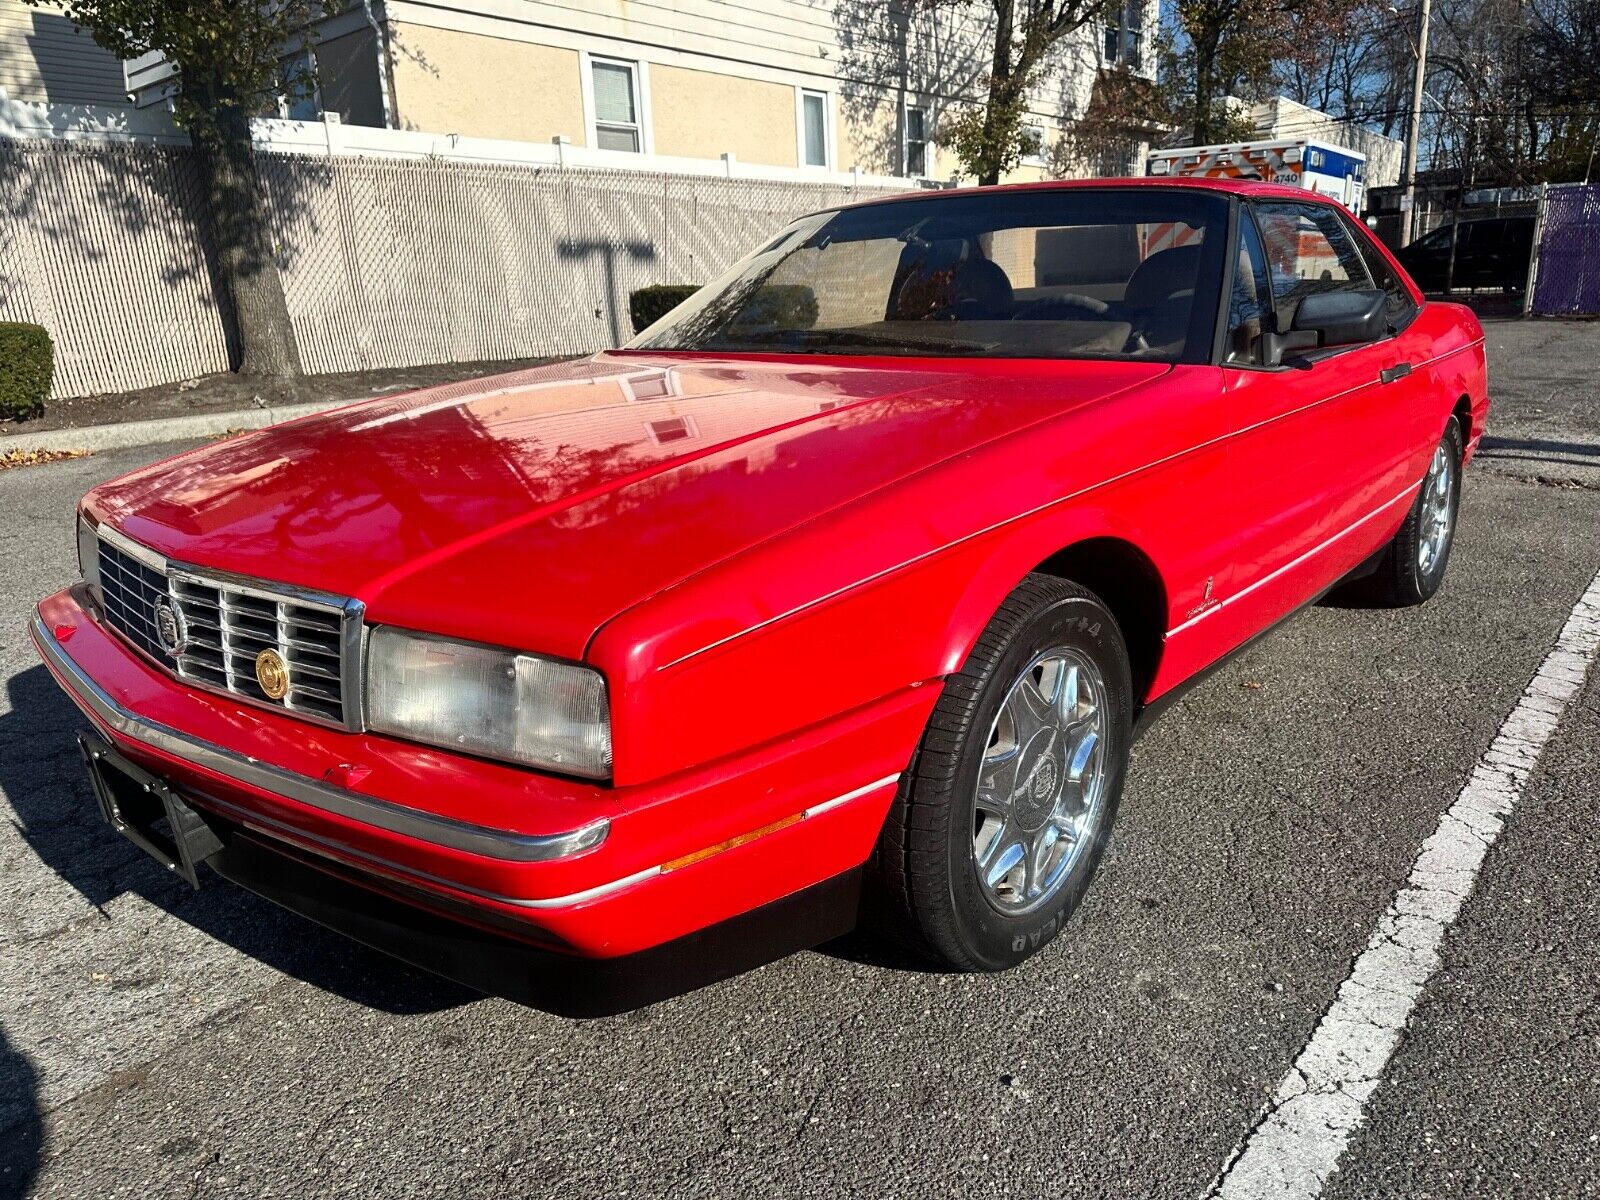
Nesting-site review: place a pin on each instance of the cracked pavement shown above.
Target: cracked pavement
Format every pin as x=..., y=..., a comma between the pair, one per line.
x=160, y=1042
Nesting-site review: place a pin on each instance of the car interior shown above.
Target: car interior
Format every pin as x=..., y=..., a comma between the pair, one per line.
x=1114, y=290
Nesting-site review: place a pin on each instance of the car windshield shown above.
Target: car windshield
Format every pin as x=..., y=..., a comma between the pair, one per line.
x=1130, y=273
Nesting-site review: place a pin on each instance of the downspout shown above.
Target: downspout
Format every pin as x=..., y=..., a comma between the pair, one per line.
x=382, y=42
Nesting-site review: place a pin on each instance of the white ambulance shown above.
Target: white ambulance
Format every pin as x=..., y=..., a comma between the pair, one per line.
x=1319, y=167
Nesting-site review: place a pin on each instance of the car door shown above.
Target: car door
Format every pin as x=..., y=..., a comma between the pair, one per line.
x=1518, y=253
x=1428, y=258
x=1321, y=447
x=1477, y=254
x=1493, y=251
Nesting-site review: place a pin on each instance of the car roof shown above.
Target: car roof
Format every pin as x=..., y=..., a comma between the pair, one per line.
x=1235, y=187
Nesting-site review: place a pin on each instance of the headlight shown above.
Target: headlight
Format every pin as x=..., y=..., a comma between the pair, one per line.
x=489, y=701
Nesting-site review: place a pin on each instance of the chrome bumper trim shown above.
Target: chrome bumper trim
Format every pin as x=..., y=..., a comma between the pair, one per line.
x=499, y=844
x=599, y=891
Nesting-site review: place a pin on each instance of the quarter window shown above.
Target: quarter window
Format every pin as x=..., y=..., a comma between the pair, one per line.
x=1401, y=308
x=1308, y=250
x=616, y=106
x=1250, y=302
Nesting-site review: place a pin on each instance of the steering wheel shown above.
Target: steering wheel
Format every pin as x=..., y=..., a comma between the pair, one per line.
x=1050, y=308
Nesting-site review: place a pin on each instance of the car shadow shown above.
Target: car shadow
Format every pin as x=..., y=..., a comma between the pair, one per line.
x=43, y=777
x=1566, y=454
x=869, y=948
x=21, y=1124
x=53, y=810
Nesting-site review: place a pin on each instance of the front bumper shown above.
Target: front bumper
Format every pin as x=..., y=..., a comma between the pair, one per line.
x=579, y=868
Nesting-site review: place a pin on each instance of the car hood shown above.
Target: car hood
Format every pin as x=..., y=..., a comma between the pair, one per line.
x=528, y=509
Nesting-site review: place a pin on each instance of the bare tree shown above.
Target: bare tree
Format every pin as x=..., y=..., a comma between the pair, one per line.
x=1218, y=49
x=989, y=140
x=1514, y=90
x=1346, y=61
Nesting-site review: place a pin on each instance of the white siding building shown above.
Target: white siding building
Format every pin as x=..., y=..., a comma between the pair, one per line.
x=44, y=59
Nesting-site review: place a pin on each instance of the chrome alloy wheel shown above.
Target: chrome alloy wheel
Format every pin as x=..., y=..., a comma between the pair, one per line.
x=1437, y=514
x=1042, y=781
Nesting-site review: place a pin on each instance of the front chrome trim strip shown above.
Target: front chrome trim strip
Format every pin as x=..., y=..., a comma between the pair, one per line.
x=550, y=902
x=500, y=844
x=617, y=885
x=817, y=810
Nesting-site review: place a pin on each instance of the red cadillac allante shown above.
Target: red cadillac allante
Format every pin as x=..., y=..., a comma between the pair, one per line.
x=856, y=574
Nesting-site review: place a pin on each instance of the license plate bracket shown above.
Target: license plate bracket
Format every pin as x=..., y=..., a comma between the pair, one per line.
x=144, y=809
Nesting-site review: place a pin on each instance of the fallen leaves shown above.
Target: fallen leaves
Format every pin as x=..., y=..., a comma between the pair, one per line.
x=34, y=458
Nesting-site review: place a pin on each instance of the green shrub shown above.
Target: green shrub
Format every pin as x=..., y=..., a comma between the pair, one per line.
x=27, y=364
x=649, y=304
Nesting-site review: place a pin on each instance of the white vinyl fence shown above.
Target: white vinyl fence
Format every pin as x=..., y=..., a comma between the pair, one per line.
x=387, y=261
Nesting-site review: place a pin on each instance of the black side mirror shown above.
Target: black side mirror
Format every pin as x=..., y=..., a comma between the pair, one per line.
x=1343, y=318
x=1329, y=319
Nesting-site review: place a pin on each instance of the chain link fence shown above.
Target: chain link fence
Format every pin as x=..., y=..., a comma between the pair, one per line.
x=1567, y=259
x=103, y=246
x=387, y=262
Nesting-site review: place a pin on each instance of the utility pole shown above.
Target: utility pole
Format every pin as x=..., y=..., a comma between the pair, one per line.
x=1408, y=198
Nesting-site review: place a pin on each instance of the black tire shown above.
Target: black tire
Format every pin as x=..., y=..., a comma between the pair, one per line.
x=924, y=883
x=1401, y=579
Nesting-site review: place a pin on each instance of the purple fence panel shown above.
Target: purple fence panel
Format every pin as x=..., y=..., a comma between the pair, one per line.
x=1569, y=252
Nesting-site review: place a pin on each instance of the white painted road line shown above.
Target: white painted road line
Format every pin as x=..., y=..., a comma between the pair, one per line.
x=1295, y=1145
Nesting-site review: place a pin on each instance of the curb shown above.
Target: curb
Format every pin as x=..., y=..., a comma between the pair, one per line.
x=166, y=429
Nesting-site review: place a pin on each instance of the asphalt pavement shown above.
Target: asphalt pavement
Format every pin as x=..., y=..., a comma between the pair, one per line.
x=156, y=1041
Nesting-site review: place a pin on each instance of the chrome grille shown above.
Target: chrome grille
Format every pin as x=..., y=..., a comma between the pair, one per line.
x=129, y=591
x=226, y=622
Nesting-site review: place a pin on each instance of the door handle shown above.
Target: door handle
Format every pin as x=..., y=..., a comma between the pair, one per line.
x=1390, y=374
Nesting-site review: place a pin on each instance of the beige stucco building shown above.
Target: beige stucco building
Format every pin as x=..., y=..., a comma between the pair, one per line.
x=824, y=85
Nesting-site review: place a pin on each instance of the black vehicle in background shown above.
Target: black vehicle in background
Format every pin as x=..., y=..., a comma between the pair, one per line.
x=1492, y=252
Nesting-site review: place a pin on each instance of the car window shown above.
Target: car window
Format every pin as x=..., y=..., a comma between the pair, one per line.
x=1250, y=301
x=1401, y=307
x=1439, y=239
x=1081, y=273
x=1308, y=251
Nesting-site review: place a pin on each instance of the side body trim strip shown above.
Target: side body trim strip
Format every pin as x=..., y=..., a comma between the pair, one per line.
x=1410, y=491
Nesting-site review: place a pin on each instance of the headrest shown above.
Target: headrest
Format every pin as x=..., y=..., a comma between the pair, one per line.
x=1162, y=276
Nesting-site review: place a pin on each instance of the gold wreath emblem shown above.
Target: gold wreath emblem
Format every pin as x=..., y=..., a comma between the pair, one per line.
x=271, y=674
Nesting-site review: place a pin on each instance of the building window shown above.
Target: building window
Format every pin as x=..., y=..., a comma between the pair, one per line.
x=617, y=124
x=813, y=129
x=1121, y=48
x=297, y=88
x=916, y=141
x=672, y=429
x=650, y=385
x=1033, y=144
